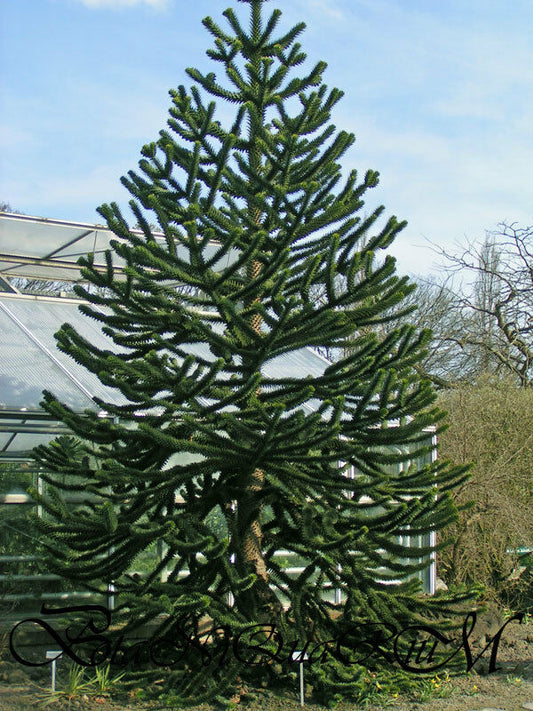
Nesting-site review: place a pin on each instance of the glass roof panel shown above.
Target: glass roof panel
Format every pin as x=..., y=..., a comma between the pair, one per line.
x=29, y=429
x=25, y=442
x=297, y=364
x=47, y=239
x=31, y=361
x=26, y=369
x=12, y=267
x=4, y=439
x=38, y=247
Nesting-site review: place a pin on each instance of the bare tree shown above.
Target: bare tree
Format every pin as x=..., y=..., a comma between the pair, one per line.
x=492, y=309
x=6, y=207
x=434, y=303
x=479, y=310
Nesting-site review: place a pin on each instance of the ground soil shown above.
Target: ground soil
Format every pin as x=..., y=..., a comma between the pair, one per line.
x=510, y=688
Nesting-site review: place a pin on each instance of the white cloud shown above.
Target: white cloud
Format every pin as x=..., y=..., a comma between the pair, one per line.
x=326, y=7
x=312, y=9
x=447, y=185
x=490, y=86
x=156, y=4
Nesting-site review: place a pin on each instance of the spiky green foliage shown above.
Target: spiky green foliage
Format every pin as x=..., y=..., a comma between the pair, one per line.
x=214, y=451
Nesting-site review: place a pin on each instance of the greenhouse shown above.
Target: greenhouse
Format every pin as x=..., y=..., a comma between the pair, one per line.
x=38, y=267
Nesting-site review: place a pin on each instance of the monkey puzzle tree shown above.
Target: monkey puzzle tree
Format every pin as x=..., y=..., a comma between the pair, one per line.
x=212, y=450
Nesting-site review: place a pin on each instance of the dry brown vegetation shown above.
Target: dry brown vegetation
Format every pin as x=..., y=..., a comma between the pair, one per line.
x=491, y=426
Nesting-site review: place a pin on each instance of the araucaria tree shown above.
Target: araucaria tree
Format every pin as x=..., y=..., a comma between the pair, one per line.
x=214, y=452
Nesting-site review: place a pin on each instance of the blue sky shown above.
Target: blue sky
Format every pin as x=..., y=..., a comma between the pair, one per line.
x=439, y=94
